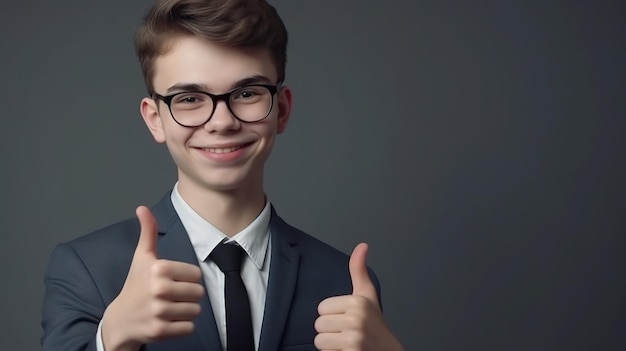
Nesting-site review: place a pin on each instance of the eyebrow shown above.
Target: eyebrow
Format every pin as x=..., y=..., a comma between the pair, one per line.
x=255, y=79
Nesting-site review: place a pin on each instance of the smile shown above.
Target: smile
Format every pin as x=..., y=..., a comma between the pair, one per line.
x=224, y=150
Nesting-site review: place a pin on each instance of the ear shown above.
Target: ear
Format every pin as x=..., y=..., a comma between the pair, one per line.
x=284, y=108
x=150, y=113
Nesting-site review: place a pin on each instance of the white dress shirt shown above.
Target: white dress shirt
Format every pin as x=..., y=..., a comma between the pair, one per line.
x=204, y=237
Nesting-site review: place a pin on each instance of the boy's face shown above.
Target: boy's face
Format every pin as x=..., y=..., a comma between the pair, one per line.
x=224, y=153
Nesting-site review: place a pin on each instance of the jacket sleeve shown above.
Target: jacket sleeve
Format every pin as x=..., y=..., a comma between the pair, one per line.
x=72, y=304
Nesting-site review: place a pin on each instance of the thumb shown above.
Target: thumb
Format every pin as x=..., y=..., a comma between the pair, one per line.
x=361, y=283
x=148, y=233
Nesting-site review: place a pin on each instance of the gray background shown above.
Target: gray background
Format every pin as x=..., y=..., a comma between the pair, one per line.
x=478, y=146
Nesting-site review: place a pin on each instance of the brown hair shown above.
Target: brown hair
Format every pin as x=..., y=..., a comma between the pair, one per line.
x=253, y=24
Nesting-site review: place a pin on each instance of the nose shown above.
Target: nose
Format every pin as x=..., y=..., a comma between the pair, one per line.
x=223, y=121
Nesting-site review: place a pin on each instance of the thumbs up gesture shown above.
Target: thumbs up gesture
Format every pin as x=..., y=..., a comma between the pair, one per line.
x=354, y=322
x=159, y=298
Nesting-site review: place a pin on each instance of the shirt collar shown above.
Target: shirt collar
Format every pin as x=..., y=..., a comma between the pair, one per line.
x=205, y=237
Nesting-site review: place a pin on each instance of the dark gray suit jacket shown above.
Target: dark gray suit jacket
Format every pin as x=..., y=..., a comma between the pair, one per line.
x=84, y=275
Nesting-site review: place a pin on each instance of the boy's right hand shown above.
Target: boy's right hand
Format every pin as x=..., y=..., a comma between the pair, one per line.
x=159, y=299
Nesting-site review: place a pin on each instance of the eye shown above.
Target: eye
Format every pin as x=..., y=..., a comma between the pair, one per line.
x=246, y=94
x=249, y=94
x=188, y=99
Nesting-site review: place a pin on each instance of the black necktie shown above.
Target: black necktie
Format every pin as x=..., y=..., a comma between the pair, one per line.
x=239, y=335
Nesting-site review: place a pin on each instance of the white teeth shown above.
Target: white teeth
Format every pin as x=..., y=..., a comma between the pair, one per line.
x=222, y=150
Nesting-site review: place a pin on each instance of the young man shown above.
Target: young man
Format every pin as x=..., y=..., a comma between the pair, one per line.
x=214, y=71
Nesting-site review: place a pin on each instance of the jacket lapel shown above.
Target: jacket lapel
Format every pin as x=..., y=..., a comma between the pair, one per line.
x=282, y=282
x=174, y=245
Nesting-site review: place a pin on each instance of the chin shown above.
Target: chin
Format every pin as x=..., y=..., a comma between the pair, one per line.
x=244, y=179
x=223, y=187
x=228, y=184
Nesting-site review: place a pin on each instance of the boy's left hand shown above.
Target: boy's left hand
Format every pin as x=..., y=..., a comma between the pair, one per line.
x=354, y=322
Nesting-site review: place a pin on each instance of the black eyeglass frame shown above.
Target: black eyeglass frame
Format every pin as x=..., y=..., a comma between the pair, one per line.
x=167, y=99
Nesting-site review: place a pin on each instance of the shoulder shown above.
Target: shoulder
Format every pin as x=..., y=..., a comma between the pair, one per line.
x=103, y=244
x=120, y=238
x=114, y=238
x=109, y=249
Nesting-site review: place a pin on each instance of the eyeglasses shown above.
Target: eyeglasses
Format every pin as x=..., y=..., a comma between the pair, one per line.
x=251, y=103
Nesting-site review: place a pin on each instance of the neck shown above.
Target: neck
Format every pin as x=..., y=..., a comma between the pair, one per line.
x=230, y=211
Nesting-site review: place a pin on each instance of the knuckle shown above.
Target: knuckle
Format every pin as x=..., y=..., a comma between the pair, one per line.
x=192, y=311
x=195, y=310
x=159, y=288
x=196, y=272
x=158, y=309
x=354, y=322
x=355, y=339
x=318, y=324
x=322, y=306
x=160, y=268
x=157, y=329
x=186, y=328
x=358, y=302
x=318, y=341
x=197, y=291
